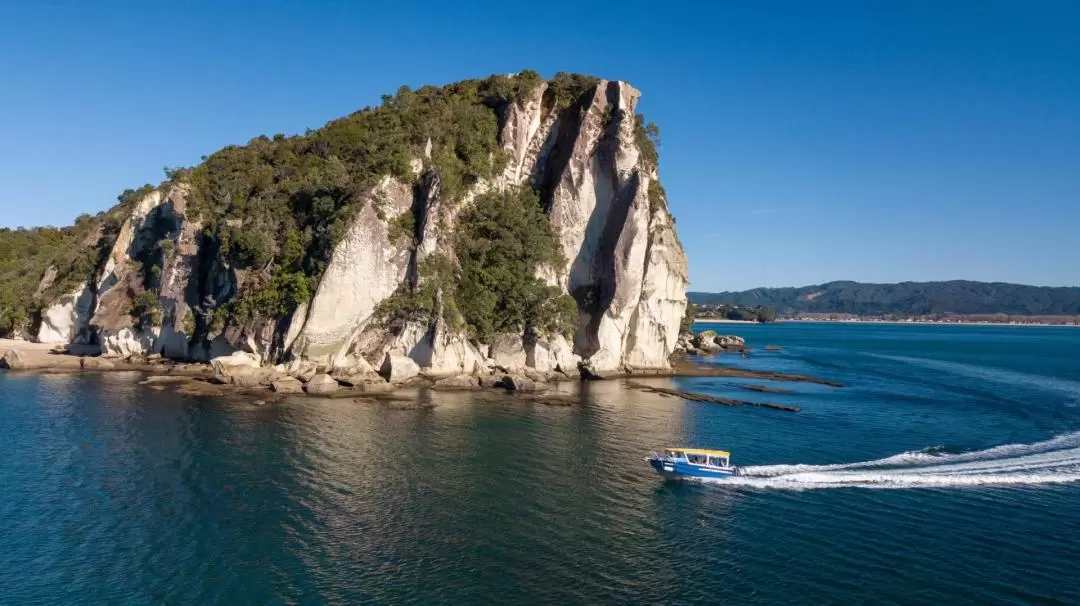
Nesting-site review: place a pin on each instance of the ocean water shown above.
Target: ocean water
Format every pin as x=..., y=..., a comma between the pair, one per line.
x=945, y=471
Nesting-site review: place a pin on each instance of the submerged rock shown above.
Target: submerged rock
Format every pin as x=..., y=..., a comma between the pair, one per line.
x=244, y=376
x=96, y=364
x=522, y=384
x=376, y=386
x=454, y=383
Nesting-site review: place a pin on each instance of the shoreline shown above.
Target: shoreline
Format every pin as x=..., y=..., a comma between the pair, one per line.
x=199, y=379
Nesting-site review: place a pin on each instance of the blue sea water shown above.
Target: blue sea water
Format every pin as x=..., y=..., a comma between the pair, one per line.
x=944, y=471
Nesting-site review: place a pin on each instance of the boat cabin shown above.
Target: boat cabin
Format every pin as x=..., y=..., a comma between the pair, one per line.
x=703, y=458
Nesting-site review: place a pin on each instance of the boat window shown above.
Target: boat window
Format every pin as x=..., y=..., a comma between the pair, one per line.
x=714, y=461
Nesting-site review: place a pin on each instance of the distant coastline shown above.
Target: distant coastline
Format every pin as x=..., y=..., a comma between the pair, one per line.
x=897, y=322
x=926, y=322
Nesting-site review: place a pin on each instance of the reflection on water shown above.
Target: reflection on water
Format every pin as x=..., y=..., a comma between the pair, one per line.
x=117, y=493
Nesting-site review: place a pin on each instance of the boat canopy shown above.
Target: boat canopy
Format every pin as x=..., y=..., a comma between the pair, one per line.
x=698, y=451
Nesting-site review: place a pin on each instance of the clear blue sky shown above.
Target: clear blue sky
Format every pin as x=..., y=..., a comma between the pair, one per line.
x=801, y=141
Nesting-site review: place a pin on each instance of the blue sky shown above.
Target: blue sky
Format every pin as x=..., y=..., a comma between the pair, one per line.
x=801, y=141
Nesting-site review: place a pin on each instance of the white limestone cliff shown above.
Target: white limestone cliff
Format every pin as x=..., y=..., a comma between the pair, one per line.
x=64, y=320
x=624, y=259
x=624, y=263
x=364, y=269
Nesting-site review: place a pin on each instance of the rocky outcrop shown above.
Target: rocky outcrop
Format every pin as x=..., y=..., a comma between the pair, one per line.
x=709, y=342
x=126, y=341
x=462, y=382
x=625, y=265
x=286, y=385
x=66, y=320
x=439, y=351
x=508, y=352
x=365, y=269
x=120, y=280
x=321, y=385
x=586, y=157
x=13, y=359
x=397, y=369
x=522, y=384
x=223, y=365
x=554, y=354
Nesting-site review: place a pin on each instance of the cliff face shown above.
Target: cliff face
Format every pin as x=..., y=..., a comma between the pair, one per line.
x=623, y=263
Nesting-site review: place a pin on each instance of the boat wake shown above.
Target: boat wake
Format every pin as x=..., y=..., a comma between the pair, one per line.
x=1054, y=461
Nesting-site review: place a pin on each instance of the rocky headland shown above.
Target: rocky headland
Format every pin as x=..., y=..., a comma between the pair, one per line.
x=351, y=256
x=503, y=234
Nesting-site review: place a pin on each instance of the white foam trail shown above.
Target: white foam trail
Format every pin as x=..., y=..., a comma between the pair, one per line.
x=1053, y=461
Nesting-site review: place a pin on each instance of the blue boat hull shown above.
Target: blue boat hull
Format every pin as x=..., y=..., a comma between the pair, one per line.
x=685, y=471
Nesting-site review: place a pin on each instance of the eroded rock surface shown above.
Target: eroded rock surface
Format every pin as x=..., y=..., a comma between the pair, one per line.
x=321, y=385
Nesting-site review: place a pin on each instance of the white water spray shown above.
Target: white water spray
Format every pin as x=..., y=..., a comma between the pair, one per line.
x=1054, y=461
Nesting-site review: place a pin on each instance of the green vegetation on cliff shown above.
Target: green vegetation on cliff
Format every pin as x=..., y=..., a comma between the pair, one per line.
x=25, y=255
x=279, y=205
x=29, y=256
x=500, y=241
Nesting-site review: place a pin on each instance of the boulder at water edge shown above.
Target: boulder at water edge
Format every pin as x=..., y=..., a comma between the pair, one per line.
x=321, y=384
x=398, y=368
x=287, y=385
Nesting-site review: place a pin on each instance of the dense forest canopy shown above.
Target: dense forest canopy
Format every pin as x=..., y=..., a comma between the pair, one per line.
x=906, y=298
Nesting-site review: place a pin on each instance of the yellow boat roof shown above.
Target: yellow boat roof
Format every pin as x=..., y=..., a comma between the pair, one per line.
x=698, y=451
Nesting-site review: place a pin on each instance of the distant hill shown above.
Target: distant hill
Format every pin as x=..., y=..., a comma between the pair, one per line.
x=906, y=298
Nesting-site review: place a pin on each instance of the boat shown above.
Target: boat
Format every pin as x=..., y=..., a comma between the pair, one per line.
x=693, y=464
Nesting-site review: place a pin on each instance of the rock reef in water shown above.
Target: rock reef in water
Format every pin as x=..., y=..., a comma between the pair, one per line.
x=170, y=274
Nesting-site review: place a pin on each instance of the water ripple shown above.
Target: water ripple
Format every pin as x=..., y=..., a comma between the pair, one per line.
x=119, y=494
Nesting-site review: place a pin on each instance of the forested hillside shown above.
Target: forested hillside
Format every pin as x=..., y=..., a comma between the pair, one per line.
x=906, y=298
